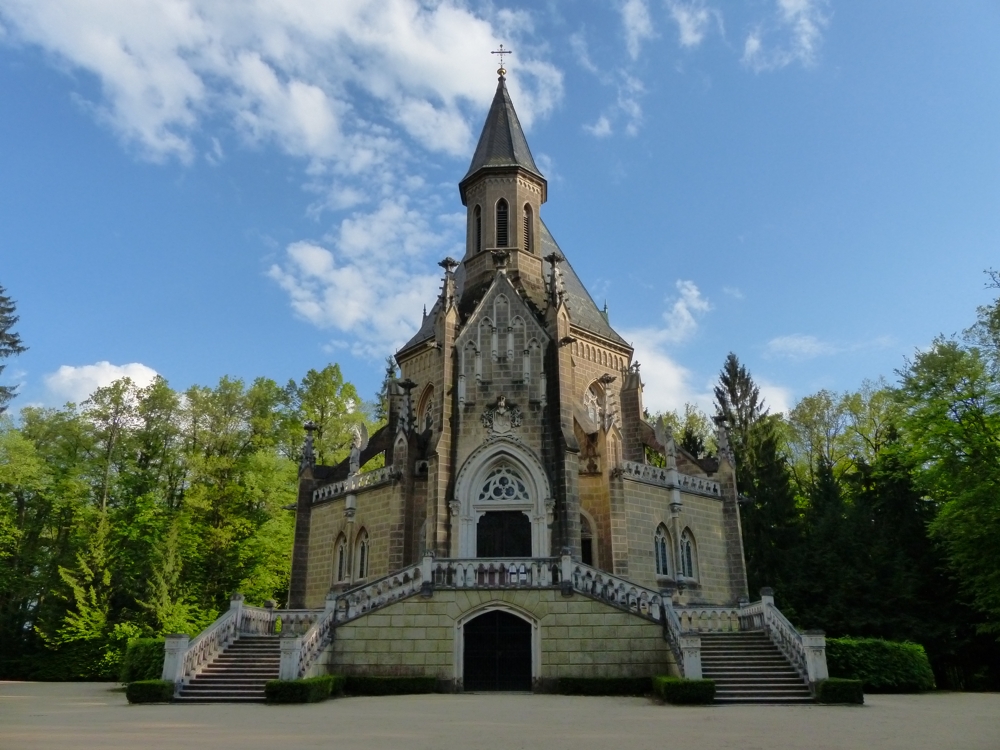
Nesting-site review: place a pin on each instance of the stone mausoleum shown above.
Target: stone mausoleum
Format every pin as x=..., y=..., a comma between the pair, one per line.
x=518, y=532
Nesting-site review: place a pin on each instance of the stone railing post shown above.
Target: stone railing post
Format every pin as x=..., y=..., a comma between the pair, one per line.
x=331, y=602
x=291, y=652
x=174, y=649
x=566, y=573
x=236, y=602
x=427, y=575
x=814, y=642
x=691, y=649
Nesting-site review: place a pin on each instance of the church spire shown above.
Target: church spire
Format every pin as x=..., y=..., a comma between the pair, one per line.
x=502, y=145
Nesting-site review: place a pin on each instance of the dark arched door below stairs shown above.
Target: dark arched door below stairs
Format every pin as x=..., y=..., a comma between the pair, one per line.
x=497, y=654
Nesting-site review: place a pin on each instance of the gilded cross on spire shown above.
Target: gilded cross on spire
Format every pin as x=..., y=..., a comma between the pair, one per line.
x=502, y=71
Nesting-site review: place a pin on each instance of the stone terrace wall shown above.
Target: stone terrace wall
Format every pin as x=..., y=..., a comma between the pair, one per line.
x=579, y=637
x=647, y=506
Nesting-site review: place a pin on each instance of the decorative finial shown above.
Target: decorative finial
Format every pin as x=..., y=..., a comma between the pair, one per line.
x=502, y=71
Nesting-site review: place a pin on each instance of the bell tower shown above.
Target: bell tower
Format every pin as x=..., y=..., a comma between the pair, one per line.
x=503, y=192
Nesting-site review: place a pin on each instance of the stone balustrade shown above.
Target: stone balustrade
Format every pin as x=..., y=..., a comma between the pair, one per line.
x=354, y=483
x=378, y=593
x=670, y=479
x=708, y=619
x=615, y=591
x=496, y=573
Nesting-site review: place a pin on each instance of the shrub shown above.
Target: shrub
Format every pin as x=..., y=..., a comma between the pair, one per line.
x=836, y=690
x=143, y=660
x=365, y=685
x=684, y=692
x=309, y=690
x=882, y=666
x=603, y=685
x=150, y=691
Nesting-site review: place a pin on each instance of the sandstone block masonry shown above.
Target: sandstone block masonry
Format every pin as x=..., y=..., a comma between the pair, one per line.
x=573, y=636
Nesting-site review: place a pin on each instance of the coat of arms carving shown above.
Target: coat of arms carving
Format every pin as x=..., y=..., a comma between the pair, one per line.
x=501, y=418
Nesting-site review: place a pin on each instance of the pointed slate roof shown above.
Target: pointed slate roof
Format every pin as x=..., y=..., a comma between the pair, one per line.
x=583, y=311
x=502, y=143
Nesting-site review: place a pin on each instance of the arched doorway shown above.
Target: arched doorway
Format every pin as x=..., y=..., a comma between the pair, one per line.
x=497, y=652
x=504, y=533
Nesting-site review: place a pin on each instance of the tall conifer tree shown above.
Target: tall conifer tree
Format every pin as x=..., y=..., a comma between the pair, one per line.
x=10, y=344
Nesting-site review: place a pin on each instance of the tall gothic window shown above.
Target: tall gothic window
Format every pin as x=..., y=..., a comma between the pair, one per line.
x=361, y=549
x=502, y=223
x=526, y=220
x=592, y=403
x=477, y=228
x=689, y=557
x=661, y=550
x=341, y=559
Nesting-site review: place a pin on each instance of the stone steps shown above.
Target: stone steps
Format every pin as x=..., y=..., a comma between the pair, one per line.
x=748, y=668
x=238, y=674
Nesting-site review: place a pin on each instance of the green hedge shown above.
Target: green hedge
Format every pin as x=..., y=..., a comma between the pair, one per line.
x=882, y=666
x=309, y=690
x=143, y=660
x=604, y=685
x=365, y=685
x=684, y=692
x=836, y=690
x=150, y=691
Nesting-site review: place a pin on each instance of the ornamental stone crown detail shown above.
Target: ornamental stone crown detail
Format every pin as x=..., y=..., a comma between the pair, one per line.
x=501, y=418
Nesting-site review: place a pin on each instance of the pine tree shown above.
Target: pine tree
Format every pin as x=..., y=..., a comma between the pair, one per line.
x=769, y=520
x=10, y=344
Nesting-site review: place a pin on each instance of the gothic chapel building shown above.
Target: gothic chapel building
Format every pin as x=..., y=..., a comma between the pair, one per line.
x=517, y=533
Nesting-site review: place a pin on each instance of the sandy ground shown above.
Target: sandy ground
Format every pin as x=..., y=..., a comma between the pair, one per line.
x=78, y=716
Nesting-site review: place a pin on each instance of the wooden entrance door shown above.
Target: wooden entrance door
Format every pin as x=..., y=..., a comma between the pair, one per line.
x=497, y=653
x=503, y=533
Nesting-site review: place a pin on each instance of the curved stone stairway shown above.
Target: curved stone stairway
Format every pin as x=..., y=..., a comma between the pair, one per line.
x=238, y=674
x=748, y=668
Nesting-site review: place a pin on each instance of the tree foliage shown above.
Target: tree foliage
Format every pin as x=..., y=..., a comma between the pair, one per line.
x=141, y=511
x=10, y=344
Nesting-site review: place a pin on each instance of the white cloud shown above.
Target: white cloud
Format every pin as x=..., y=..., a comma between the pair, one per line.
x=732, y=291
x=777, y=398
x=599, y=129
x=798, y=346
x=285, y=70
x=692, y=19
x=681, y=318
x=76, y=384
x=797, y=25
x=638, y=25
x=667, y=383
x=371, y=283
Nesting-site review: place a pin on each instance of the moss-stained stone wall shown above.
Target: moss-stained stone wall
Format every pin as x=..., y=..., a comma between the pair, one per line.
x=576, y=637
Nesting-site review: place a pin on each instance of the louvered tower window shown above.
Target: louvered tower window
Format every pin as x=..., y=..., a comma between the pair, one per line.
x=502, y=223
x=477, y=228
x=527, y=228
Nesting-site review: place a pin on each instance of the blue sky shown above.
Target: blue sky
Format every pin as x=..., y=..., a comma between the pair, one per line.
x=202, y=188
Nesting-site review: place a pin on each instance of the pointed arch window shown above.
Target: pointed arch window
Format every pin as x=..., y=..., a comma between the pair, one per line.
x=361, y=550
x=689, y=555
x=661, y=550
x=340, y=561
x=502, y=223
x=592, y=403
x=528, y=226
x=477, y=228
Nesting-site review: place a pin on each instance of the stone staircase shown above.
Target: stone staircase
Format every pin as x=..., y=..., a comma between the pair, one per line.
x=748, y=668
x=238, y=674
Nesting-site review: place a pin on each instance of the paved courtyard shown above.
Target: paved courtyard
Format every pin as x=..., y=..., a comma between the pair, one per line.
x=79, y=716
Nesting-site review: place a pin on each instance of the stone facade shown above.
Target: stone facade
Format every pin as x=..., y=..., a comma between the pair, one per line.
x=517, y=415
x=574, y=637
